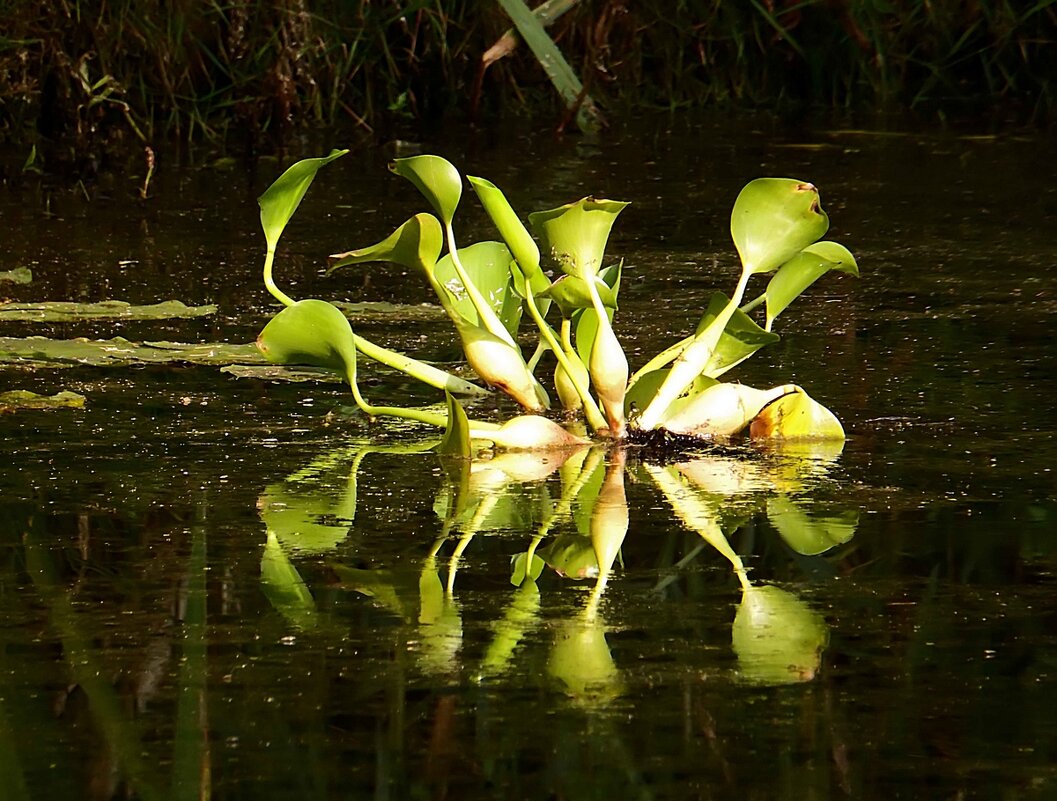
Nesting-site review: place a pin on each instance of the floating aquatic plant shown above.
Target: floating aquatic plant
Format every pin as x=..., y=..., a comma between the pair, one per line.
x=488, y=288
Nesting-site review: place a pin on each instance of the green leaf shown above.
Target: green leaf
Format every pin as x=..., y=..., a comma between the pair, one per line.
x=487, y=265
x=810, y=533
x=456, y=441
x=797, y=416
x=311, y=332
x=575, y=235
x=281, y=199
x=21, y=400
x=741, y=338
x=19, y=275
x=65, y=311
x=436, y=178
x=515, y=235
x=416, y=244
x=642, y=391
x=572, y=294
x=773, y=220
x=802, y=271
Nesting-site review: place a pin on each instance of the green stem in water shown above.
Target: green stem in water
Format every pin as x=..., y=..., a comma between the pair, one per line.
x=489, y=319
x=277, y=293
x=426, y=373
x=417, y=415
x=670, y=354
x=691, y=362
x=595, y=418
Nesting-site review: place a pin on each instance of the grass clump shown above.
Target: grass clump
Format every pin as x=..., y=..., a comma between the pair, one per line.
x=80, y=74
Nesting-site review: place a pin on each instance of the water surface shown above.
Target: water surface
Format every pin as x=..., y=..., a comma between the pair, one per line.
x=224, y=586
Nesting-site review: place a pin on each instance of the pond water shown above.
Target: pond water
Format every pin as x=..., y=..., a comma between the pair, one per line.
x=234, y=587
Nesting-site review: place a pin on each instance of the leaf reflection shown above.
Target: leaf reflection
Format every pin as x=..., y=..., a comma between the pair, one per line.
x=578, y=534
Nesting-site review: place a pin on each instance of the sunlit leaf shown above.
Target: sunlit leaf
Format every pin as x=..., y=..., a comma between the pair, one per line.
x=571, y=294
x=800, y=272
x=436, y=178
x=575, y=235
x=416, y=244
x=741, y=337
x=281, y=199
x=810, y=533
x=515, y=235
x=311, y=332
x=797, y=416
x=64, y=311
x=777, y=638
x=643, y=390
x=488, y=266
x=722, y=410
x=773, y=220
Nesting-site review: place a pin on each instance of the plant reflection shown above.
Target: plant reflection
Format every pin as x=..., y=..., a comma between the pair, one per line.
x=776, y=637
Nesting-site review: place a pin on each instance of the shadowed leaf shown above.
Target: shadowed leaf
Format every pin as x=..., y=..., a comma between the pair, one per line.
x=456, y=440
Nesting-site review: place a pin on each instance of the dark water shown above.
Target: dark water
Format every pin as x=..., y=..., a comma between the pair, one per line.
x=224, y=587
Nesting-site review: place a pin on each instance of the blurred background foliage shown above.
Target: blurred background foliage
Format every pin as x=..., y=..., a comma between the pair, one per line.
x=79, y=77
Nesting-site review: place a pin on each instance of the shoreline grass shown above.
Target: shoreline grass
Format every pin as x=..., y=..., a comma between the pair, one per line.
x=77, y=76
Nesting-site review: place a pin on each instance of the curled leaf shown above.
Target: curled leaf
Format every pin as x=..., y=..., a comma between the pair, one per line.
x=723, y=410
x=796, y=416
x=436, y=178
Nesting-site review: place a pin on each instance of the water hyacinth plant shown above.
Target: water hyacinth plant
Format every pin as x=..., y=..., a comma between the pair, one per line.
x=560, y=279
